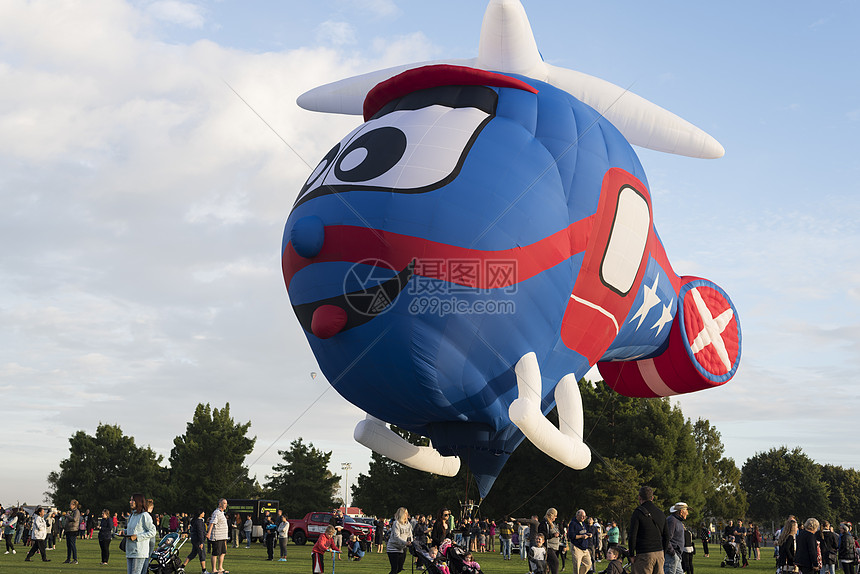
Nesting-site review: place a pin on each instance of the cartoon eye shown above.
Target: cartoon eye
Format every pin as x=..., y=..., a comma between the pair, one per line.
x=405, y=151
x=371, y=154
x=320, y=170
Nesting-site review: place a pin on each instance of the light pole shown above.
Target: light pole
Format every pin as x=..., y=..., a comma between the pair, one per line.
x=346, y=466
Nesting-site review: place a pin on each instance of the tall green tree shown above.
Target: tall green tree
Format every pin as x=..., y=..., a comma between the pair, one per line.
x=650, y=435
x=648, y=441
x=103, y=470
x=208, y=461
x=843, y=485
x=303, y=482
x=724, y=497
x=617, y=496
x=780, y=482
x=389, y=485
x=634, y=441
x=531, y=482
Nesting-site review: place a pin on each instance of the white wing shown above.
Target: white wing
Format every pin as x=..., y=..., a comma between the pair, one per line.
x=508, y=45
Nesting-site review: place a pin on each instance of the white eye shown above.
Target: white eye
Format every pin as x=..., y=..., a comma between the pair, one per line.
x=405, y=151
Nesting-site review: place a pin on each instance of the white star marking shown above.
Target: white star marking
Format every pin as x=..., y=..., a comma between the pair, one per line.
x=649, y=300
x=666, y=317
x=712, y=329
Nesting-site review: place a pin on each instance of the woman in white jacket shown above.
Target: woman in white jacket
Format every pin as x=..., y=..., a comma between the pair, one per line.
x=38, y=535
x=283, y=537
x=138, y=530
x=399, y=538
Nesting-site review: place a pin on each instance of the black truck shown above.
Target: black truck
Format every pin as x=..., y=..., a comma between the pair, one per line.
x=257, y=508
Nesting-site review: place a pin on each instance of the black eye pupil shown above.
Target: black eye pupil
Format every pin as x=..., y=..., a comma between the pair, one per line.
x=320, y=169
x=378, y=151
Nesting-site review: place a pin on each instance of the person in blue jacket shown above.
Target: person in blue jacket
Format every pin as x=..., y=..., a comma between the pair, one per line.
x=138, y=530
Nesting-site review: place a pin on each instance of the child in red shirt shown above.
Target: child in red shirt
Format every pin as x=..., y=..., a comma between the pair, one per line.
x=324, y=542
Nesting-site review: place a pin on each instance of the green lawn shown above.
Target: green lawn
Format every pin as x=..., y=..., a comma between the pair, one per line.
x=253, y=561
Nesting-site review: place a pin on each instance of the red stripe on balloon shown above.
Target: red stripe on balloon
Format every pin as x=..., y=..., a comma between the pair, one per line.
x=351, y=244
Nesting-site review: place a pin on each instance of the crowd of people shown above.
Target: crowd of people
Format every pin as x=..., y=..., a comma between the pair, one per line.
x=138, y=529
x=815, y=547
x=45, y=527
x=657, y=543
x=546, y=543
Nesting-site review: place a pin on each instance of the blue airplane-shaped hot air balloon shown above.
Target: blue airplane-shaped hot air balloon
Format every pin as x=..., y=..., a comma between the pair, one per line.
x=462, y=258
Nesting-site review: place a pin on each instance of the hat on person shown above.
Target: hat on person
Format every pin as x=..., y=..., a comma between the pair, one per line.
x=677, y=506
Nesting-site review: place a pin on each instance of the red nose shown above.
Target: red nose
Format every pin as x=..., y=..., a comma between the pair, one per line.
x=328, y=321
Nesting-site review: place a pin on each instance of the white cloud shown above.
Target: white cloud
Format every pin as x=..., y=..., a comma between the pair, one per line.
x=376, y=8
x=404, y=49
x=820, y=23
x=146, y=203
x=336, y=33
x=242, y=269
x=175, y=12
x=226, y=210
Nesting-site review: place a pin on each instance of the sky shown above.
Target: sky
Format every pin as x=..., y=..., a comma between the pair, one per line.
x=142, y=204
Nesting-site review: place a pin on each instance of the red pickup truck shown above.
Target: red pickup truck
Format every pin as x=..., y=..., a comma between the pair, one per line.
x=314, y=523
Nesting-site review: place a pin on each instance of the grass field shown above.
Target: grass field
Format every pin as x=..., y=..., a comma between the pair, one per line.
x=253, y=561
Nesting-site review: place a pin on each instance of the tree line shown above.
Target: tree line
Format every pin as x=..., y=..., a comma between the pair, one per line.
x=634, y=442
x=206, y=463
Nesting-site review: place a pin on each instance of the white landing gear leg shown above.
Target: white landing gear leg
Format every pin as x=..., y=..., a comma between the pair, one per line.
x=565, y=445
x=375, y=435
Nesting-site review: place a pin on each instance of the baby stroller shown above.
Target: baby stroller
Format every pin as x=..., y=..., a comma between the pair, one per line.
x=456, y=557
x=165, y=558
x=731, y=560
x=423, y=559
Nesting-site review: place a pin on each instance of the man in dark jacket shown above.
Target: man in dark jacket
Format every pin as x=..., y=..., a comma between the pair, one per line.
x=740, y=534
x=647, y=537
x=271, y=531
x=580, y=540
x=675, y=533
x=829, y=548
